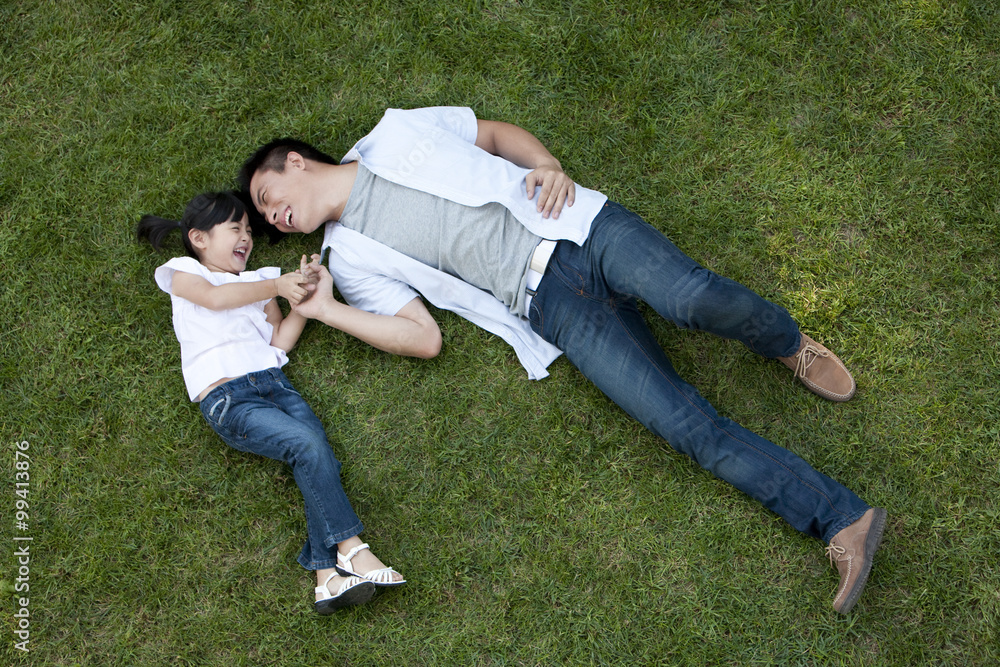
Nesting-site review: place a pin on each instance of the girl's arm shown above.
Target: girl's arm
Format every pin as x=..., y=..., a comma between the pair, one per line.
x=286, y=329
x=234, y=295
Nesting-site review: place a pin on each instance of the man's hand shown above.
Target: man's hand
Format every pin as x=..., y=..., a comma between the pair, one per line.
x=411, y=332
x=322, y=294
x=555, y=189
x=519, y=146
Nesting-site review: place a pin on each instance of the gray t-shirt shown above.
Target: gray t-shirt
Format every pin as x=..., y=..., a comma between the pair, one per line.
x=485, y=246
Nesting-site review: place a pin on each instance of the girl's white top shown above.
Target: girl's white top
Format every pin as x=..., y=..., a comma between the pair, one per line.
x=218, y=344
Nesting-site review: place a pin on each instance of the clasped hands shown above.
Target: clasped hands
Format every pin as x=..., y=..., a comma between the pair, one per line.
x=299, y=286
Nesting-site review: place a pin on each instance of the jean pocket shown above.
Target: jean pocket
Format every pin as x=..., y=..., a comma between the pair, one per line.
x=230, y=432
x=288, y=387
x=569, y=275
x=536, y=319
x=222, y=407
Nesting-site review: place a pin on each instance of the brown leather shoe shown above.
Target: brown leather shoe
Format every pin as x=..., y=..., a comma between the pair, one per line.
x=821, y=371
x=851, y=552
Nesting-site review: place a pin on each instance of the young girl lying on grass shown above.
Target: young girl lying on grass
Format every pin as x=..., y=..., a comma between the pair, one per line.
x=233, y=342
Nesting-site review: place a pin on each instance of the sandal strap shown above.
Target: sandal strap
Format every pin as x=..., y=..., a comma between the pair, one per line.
x=381, y=576
x=349, y=582
x=346, y=560
x=324, y=590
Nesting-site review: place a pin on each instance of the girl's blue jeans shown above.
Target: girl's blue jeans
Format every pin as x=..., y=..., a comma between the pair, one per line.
x=586, y=306
x=261, y=413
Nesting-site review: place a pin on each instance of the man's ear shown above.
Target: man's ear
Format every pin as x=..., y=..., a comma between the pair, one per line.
x=295, y=160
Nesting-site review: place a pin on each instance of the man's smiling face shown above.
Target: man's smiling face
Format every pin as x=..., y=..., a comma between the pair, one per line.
x=287, y=199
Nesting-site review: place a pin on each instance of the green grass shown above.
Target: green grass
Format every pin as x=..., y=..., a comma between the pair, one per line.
x=839, y=158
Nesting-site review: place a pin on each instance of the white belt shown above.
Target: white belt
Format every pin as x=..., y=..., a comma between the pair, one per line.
x=536, y=268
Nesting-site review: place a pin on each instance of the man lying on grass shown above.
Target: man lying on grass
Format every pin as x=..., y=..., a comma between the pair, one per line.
x=479, y=218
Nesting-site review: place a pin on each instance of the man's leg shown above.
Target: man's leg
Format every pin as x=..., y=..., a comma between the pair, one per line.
x=607, y=339
x=634, y=258
x=604, y=335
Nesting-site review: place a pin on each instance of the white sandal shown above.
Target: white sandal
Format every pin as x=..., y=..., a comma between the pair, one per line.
x=380, y=577
x=354, y=590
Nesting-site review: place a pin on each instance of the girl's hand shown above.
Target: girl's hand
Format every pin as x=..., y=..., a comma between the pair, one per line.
x=311, y=274
x=313, y=266
x=289, y=286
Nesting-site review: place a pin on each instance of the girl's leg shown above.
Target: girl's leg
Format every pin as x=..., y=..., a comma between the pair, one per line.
x=261, y=413
x=364, y=561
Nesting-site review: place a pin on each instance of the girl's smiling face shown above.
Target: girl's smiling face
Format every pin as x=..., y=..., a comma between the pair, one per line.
x=225, y=247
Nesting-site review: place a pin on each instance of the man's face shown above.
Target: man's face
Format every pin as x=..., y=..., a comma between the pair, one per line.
x=287, y=199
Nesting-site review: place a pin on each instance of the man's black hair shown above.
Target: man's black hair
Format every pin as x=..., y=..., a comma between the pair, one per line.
x=271, y=157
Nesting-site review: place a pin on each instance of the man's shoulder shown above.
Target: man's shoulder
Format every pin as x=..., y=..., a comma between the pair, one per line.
x=456, y=120
x=351, y=253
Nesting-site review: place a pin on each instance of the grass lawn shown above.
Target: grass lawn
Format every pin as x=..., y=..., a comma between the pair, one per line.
x=840, y=158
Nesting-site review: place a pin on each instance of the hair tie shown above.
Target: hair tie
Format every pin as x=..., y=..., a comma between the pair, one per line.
x=180, y=224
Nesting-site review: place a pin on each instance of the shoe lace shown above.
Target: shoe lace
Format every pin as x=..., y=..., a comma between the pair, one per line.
x=834, y=552
x=806, y=357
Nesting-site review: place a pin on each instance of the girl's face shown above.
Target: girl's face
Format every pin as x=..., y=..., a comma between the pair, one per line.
x=226, y=247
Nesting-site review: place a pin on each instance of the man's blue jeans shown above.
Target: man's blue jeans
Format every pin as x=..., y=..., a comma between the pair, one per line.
x=586, y=306
x=262, y=414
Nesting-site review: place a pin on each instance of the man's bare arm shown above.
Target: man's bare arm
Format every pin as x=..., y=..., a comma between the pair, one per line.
x=411, y=332
x=523, y=149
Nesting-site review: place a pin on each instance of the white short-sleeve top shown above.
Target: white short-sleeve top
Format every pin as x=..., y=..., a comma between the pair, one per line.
x=217, y=344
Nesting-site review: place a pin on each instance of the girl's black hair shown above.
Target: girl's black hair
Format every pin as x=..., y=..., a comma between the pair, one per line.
x=203, y=212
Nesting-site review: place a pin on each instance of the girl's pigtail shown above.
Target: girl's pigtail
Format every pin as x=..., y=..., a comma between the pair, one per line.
x=154, y=229
x=202, y=213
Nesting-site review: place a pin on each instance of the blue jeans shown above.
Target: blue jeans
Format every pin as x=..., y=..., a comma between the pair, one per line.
x=586, y=306
x=262, y=414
